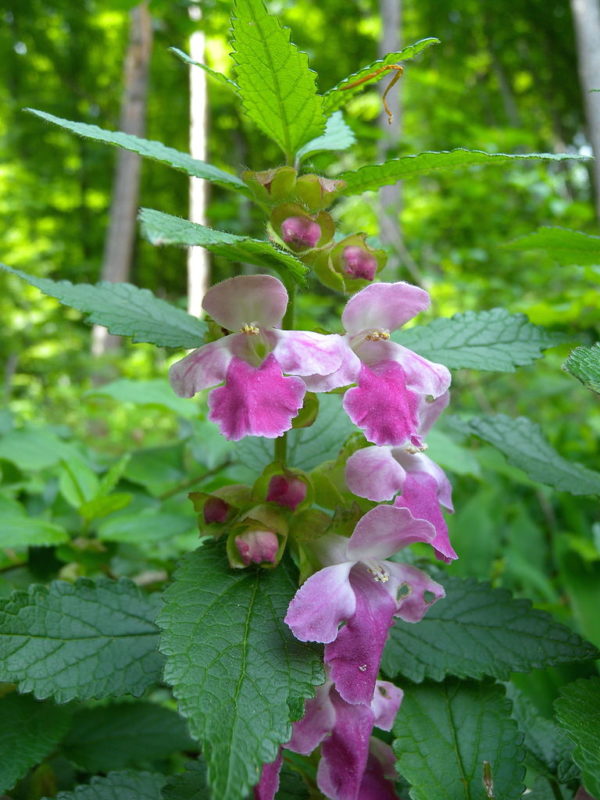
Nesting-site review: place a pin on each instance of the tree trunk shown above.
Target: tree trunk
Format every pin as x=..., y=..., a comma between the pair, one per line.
x=198, y=265
x=586, y=17
x=120, y=237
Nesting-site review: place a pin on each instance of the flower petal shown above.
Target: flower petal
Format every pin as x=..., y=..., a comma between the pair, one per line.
x=201, y=369
x=383, y=306
x=269, y=780
x=307, y=353
x=418, y=462
x=420, y=497
x=385, y=704
x=414, y=589
x=246, y=299
x=354, y=657
x=380, y=774
x=374, y=473
x=384, y=530
x=256, y=401
x=429, y=412
x=347, y=373
x=420, y=375
x=317, y=722
x=321, y=604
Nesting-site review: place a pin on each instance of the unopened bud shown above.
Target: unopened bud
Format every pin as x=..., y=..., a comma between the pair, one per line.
x=215, y=510
x=257, y=547
x=300, y=233
x=287, y=491
x=358, y=263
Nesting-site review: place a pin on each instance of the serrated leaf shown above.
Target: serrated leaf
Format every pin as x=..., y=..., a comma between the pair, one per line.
x=121, y=735
x=118, y=786
x=477, y=631
x=125, y=310
x=156, y=392
x=29, y=731
x=218, y=76
x=337, y=136
x=239, y=675
x=340, y=94
x=578, y=711
x=524, y=446
x=277, y=87
x=374, y=176
x=148, y=149
x=565, y=246
x=493, y=340
x=80, y=640
x=17, y=529
x=161, y=228
x=187, y=785
x=445, y=734
x=583, y=363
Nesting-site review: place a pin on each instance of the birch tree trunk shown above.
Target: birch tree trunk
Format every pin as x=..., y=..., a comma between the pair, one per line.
x=120, y=237
x=198, y=265
x=586, y=18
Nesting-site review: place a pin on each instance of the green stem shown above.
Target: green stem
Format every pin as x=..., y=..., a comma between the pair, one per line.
x=280, y=444
x=280, y=449
x=181, y=487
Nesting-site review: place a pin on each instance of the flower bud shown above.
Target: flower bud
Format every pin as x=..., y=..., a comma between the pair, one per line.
x=257, y=547
x=358, y=263
x=215, y=510
x=301, y=233
x=286, y=490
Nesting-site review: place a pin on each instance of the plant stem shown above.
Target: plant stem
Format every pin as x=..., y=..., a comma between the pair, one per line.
x=181, y=487
x=280, y=449
x=280, y=444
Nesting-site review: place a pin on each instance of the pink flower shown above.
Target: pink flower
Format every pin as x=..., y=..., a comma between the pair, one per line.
x=362, y=589
x=399, y=394
x=257, y=547
x=379, y=473
x=359, y=263
x=353, y=765
x=260, y=365
x=301, y=233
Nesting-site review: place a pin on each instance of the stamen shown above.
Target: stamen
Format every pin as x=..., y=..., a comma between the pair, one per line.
x=378, y=572
x=250, y=328
x=412, y=450
x=377, y=335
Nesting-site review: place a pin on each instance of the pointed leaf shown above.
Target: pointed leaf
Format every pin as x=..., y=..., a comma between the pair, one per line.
x=374, y=176
x=584, y=364
x=21, y=530
x=161, y=228
x=524, y=446
x=187, y=785
x=118, y=786
x=80, y=640
x=488, y=340
x=340, y=94
x=125, y=310
x=578, y=711
x=144, y=147
x=277, y=87
x=565, y=246
x=337, y=136
x=446, y=733
x=476, y=631
x=218, y=76
x=239, y=675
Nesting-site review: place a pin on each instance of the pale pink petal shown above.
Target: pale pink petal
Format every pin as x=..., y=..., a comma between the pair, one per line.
x=307, y=353
x=385, y=704
x=414, y=590
x=257, y=547
x=247, y=299
x=344, y=754
x=383, y=306
x=256, y=401
x=383, y=407
x=418, y=462
x=321, y=604
x=354, y=657
x=374, y=473
x=420, y=375
x=429, y=412
x=420, y=497
x=201, y=369
x=380, y=773
x=347, y=373
x=300, y=232
x=317, y=722
x=359, y=263
x=269, y=780
x=384, y=530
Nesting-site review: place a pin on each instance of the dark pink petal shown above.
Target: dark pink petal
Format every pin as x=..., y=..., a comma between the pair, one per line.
x=321, y=604
x=383, y=306
x=203, y=368
x=374, y=473
x=425, y=378
x=307, y=353
x=358, y=263
x=383, y=407
x=420, y=497
x=215, y=510
x=300, y=232
x=286, y=490
x=385, y=704
x=380, y=774
x=247, y=299
x=256, y=401
x=354, y=657
x=414, y=590
x=257, y=547
x=269, y=780
x=344, y=754
x=318, y=721
x=384, y=530
x=420, y=463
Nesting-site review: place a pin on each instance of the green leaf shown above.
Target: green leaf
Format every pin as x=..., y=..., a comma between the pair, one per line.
x=125, y=310
x=80, y=640
x=148, y=525
x=524, y=446
x=565, y=246
x=218, y=76
x=374, y=176
x=476, y=631
x=161, y=228
x=103, y=505
x=29, y=731
x=18, y=529
x=33, y=448
x=578, y=711
x=236, y=670
x=156, y=392
x=157, y=468
x=337, y=136
x=118, y=786
x=187, y=785
x=450, y=455
x=123, y=735
x=340, y=94
x=584, y=364
x=77, y=482
x=492, y=340
x=277, y=87
x=153, y=150
x=446, y=732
